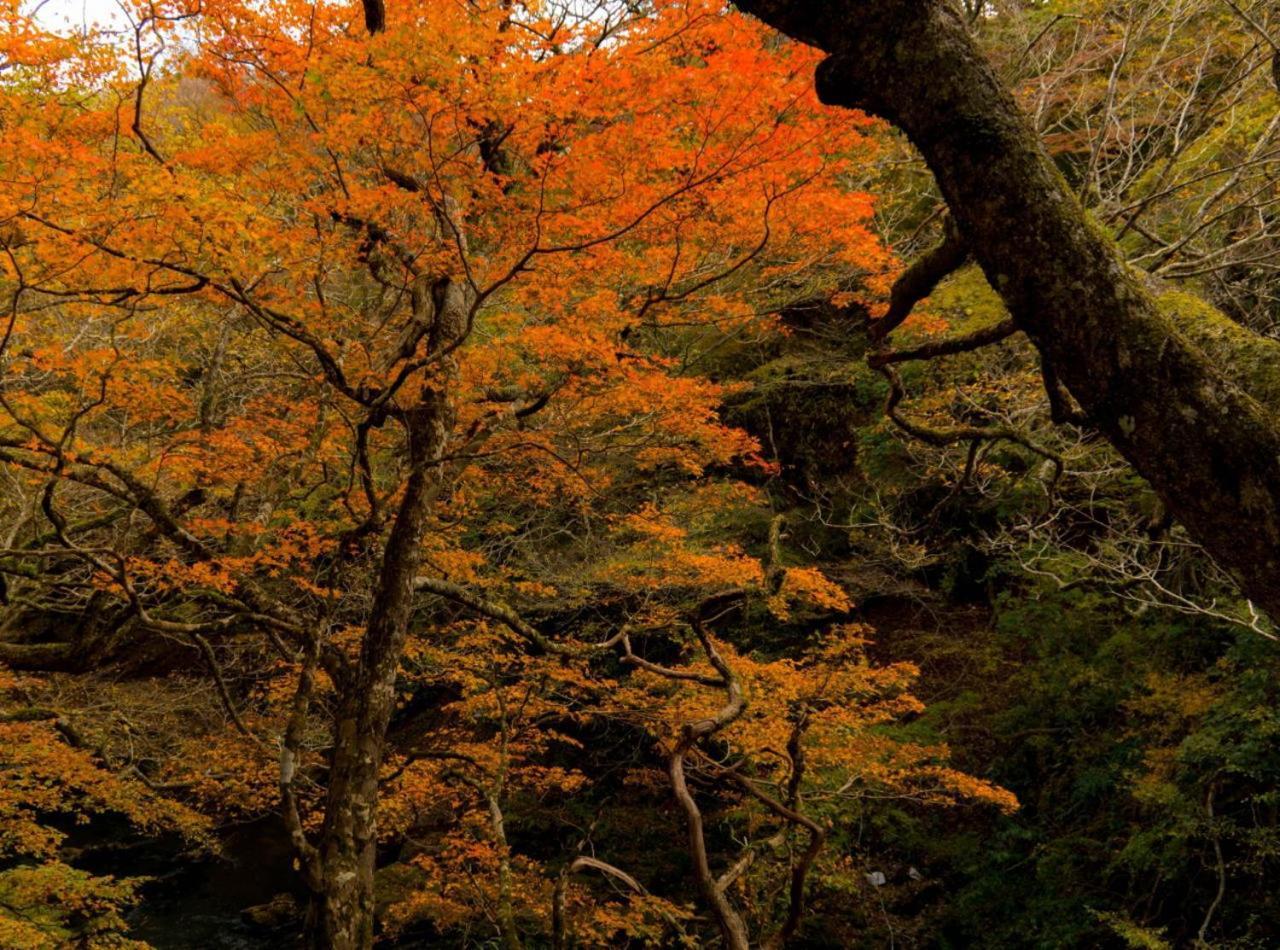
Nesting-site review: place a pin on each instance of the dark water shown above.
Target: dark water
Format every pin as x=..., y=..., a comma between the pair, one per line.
x=196, y=904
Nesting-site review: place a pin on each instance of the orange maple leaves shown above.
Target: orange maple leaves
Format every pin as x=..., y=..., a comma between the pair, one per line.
x=223, y=256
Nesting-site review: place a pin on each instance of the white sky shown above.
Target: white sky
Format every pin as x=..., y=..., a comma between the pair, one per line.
x=71, y=16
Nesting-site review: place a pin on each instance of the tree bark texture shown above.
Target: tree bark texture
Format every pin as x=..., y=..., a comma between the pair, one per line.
x=341, y=915
x=1188, y=397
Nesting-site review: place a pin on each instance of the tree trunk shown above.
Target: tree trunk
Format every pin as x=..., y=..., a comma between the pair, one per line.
x=1188, y=397
x=341, y=913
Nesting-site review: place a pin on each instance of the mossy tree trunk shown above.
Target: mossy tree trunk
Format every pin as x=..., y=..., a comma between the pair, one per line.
x=1186, y=397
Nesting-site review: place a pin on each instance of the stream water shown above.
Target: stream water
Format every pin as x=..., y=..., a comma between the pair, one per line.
x=197, y=904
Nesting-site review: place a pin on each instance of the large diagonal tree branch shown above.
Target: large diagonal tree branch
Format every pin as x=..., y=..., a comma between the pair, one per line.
x=1187, y=396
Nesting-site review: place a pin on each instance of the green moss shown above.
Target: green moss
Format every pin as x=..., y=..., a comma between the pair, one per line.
x=1252, y=361
x=968, y=301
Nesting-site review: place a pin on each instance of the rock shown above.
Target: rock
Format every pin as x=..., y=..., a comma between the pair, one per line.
x=278, y=912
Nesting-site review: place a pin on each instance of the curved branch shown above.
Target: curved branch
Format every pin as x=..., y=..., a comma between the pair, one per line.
x=949, y=347
x=732, y=927
x=952, y=434
x=919, y=280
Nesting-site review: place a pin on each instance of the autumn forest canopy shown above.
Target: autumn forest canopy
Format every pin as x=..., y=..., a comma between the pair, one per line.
x=593, y=473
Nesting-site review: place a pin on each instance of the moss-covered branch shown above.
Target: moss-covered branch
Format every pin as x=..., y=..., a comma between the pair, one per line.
x=1185, y=395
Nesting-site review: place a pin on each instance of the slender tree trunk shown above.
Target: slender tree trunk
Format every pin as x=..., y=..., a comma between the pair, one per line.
x=341, y=916
x=1188, y=397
